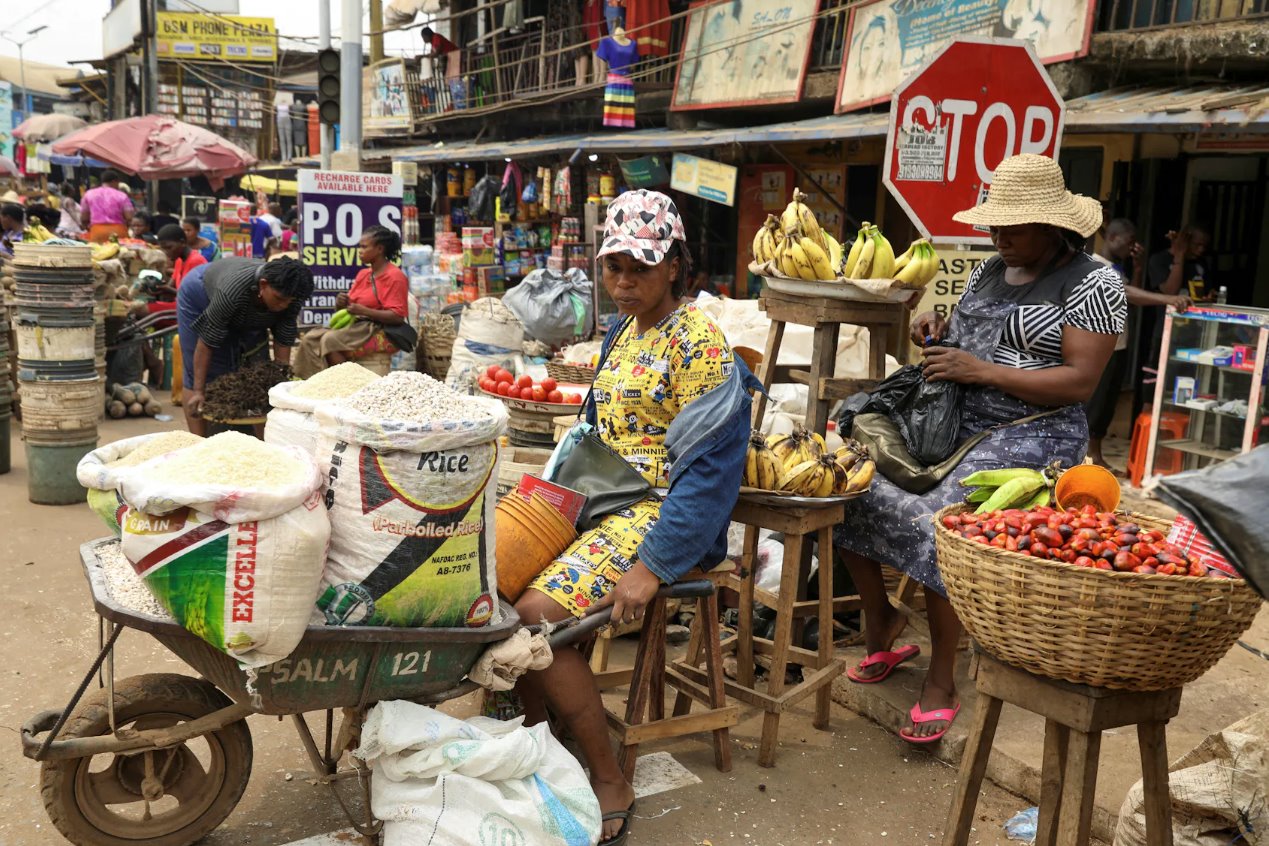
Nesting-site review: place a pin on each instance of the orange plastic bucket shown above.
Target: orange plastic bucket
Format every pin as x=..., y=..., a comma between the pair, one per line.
x=1088, y=484
x=523, y=546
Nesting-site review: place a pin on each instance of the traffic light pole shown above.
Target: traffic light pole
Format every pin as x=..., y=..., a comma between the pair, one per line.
x=328, y=131
x=350, y=53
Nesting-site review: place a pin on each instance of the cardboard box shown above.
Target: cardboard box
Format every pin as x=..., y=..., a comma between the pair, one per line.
x=481, y=282
x=1187, y=353
x=1217, y=356
x=1244, y=357
x=478, y=246
x=1183, y=390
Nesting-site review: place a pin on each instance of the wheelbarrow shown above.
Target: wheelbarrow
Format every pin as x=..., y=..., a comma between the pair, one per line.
x=120, y=765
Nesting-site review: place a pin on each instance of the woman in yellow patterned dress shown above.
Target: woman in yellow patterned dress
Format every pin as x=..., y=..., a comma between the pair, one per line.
x=672, y=401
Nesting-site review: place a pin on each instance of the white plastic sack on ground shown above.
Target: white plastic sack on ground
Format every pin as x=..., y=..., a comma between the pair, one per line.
x=447, y=782
x=238, y=568
x=488, y=333
x=411, y=508
x=1217, y=789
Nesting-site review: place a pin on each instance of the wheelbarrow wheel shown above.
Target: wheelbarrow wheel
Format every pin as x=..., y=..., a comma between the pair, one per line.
x=165, y=797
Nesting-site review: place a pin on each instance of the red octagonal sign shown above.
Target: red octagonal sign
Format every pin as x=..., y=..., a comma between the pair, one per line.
x=977, y=102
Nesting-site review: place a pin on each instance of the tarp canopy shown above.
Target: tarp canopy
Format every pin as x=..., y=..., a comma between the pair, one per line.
x=272, y=187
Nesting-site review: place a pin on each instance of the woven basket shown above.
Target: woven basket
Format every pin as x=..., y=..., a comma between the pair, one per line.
x=438, y=344
x=570, y=374
x=1127, y=631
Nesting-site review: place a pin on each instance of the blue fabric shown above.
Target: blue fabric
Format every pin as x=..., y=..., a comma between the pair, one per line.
x=707, y=443
x=191, y=302
x=212, y=250
x=261, y=232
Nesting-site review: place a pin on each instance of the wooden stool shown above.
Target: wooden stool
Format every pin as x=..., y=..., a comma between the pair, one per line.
x=1074, y=717
x=645, y=718
x=796, y=523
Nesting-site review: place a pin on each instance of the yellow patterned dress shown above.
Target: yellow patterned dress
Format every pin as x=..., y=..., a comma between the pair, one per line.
x=647, y=379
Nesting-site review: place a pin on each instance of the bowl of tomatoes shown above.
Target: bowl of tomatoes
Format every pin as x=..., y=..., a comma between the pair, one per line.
x=524, y=393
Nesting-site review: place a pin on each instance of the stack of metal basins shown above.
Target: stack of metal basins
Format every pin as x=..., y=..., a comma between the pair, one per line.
x=58, y=383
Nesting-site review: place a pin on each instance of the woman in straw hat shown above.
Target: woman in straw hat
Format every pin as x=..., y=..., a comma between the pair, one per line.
x=1029, y=340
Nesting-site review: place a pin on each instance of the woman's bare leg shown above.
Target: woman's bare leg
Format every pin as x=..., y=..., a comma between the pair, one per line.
x=883, y=623
x=939, y=690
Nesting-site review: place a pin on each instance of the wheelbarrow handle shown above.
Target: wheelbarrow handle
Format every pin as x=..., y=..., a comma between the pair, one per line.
x=579, y=628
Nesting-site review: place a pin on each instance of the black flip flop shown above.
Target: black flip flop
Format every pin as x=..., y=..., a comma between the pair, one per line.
x=619, y=839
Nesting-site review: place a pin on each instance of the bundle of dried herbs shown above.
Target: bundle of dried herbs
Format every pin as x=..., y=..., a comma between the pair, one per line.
x=244, y=393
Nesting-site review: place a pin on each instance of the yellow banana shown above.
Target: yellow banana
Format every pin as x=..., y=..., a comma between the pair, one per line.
x=861, y=476
x=759, y=245
x=782, y=446
x=791, y=217
x=821, y=265
x=811, y=226
x=933, y=264
x=855, y=249
x=863, y=267
x=793, y=258
x=768, y=470
x=840, y=474
x=795, y=478
x=834, y=255
x=915, y=271
x=883, y=257
x=901, y=262
x=819, y=440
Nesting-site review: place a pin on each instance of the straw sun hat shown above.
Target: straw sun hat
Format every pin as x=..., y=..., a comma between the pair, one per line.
x=1030, y=189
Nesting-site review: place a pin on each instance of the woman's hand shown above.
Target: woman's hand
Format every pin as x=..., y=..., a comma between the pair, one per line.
x=631, y=595
x=1180, y=302
x=356, y=309
x=341, y=300
x=949, y=364
x=930, y=325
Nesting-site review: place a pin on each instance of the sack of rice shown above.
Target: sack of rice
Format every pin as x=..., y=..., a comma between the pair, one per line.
x=291, y=421
x=412, y=468
x=100, y=470
x=230, y=536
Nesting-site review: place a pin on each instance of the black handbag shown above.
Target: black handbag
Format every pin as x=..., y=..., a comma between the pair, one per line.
x=402, y=335
x=594, y=469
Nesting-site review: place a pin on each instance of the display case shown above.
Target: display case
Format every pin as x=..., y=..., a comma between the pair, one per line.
x=1209, y=402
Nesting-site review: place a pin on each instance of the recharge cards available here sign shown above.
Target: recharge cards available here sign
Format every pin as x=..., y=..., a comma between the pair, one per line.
x=335, y=208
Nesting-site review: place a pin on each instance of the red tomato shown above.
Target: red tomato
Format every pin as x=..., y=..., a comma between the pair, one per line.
x=525, y=381
x=553, y=395
x=573, y=399
x=504, y=388
x=537, y=393
x=504, y=375
x=492, y=372
x=549, y=384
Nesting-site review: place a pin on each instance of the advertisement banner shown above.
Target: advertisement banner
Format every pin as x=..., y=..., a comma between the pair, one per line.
x=203, y=209
x=744, y=53
x=6, y=119
x=704, y=178
x=888, y=40
x=235, y=228
x=335, y=208
x=645, y=172
x=197, y=36
x=387, y=98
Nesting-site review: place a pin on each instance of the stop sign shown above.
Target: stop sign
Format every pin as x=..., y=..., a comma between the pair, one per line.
x=976, y=103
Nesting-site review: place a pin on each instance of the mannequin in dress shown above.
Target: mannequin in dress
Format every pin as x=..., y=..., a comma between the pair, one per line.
x=621, y=53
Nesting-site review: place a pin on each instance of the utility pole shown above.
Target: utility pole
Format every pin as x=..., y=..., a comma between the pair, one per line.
x=323, y=26
x=28, y=104
x=152, y=61
x=350, y=80
x=376, y=31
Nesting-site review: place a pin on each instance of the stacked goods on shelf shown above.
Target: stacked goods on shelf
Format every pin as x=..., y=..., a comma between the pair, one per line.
x=799, y=464
x=59, y=387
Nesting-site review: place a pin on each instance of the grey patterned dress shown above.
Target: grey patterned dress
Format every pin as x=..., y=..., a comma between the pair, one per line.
x=1016, y=326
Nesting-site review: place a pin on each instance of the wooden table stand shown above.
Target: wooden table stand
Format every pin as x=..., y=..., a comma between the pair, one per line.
x=796, y=523
x=1075, y=716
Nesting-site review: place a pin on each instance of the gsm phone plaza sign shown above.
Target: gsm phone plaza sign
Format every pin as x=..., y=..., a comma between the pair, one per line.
x=977, y=102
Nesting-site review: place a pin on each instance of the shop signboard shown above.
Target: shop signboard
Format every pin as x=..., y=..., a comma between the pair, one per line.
x=6, y=119
x=335, y=208
x=203, y=209
x=888, y=40
x=645, y=172
x=976, y=103
x=203, y=37
x=744, y=53
x=386, y=96
x=234, y=220
x=704, y=178
x=945, y=289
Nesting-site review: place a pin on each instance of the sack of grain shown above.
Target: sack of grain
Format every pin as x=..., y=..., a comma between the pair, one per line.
x=488, y=333
x=230, y=536
x=291, y=421
x=412, y=468
x=100, y=470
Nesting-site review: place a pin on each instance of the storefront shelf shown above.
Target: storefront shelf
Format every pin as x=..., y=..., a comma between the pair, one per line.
x=1244, y=371
x=1198, y=448
x=1179, y=407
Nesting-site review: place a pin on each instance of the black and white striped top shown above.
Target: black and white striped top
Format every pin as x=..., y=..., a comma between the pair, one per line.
x=233, y=291
x=1082, y=293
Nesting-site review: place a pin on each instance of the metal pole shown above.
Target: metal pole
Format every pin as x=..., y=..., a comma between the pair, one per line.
x=328, y=132
x=350, y=77
x=376, y=31
x=27, y=105
x=152, y=69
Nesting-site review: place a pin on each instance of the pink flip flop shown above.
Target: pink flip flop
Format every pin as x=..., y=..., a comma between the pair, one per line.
x=918, y=716
x=889, y=659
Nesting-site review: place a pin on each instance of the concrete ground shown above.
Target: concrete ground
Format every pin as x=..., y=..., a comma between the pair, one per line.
x=857, y=784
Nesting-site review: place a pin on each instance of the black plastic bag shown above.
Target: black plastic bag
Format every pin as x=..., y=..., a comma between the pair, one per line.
x=1227, y=503
x=927, y=414
x=480, y=205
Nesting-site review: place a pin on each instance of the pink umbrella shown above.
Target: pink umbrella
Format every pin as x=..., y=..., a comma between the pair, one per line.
x=47, y=127
x=159, y=147
x=8, y=167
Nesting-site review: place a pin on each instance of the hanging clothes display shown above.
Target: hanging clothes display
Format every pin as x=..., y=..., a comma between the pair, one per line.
x=619, y=94
x=648, y=22
x=593, y=20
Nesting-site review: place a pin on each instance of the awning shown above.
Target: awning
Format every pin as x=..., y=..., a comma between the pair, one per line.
x=272, y=187
x=1172, y=110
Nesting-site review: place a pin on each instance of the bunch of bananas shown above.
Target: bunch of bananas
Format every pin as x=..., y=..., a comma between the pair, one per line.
x=103, y=252
x=799, y=463
x=1014, y=487
x=36, y=233
x=795, y=246
x=341, y=319
x=871, y=256
x=918, y=265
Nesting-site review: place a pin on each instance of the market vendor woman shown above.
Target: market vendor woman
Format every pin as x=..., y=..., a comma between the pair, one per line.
x=1036, y=327
x=669, y=370
x=226, y=311
x=379, y=297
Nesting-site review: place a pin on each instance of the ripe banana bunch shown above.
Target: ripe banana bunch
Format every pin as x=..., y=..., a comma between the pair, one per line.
x=795, y=246
x=108, y=250
x=797, y=220
x=797, y=447
x=815, y=477
x=762, y=468
x=918, y=265
x=871, y=256
x=767, y=240
x=855, y=466
x=37, y=233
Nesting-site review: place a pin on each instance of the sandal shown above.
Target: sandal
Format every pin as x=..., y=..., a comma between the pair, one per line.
x=918, y=716
x=618, y=839
x=889, y=659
